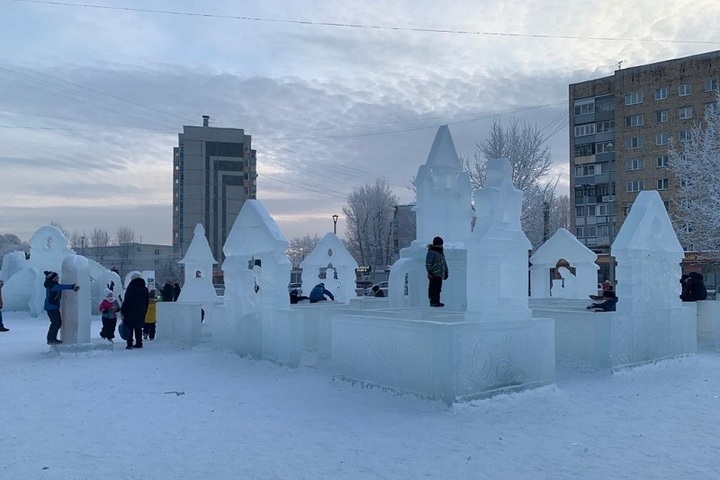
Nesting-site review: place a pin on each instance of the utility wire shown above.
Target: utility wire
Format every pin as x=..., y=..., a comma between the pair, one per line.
x=367, y=26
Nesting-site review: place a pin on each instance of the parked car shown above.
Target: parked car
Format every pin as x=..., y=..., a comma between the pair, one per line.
x=295, y=286
x=361, y=286
x=382, y=286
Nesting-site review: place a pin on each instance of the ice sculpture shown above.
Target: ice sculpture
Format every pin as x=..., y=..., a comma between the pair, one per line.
x=198, y=263
x=498, y=248
x=73, y=308
x=443, y=209
x=563, y=245
x=330, y=254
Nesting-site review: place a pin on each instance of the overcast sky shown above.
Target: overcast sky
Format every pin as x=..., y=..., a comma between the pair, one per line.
x=92, y=99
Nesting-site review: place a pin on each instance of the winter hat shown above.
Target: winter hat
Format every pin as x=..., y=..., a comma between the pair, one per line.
x=50, y=275
x=438, y=241
x=108, y=292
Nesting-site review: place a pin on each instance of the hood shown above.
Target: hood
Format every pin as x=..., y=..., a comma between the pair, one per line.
x=437, y=248
x=695, y=275
x=137, y=282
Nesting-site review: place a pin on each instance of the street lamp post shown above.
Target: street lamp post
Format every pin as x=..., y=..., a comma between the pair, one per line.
x=335, y=219
x=82, y=245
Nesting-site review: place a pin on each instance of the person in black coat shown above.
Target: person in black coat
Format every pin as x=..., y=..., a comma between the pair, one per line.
x=693, y=287
x=167, y=294
x=176, y=292
x=133, y=309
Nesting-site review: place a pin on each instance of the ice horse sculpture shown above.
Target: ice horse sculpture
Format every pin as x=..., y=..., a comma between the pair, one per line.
x=331, y=254
x=563, y=245
x=442, y=209
x=256, y=319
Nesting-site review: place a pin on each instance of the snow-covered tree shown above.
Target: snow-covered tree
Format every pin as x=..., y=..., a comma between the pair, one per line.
x=696, y=165
x=369, y=216
x=300, y=247
x=524, y=146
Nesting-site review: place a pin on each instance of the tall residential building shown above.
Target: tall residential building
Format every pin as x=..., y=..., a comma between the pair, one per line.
x=620, y=128
x=214, y=172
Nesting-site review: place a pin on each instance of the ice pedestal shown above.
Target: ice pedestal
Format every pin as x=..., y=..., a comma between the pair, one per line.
x=708, y=322
x=451, y=358
x=179, y=323
x=73, y=306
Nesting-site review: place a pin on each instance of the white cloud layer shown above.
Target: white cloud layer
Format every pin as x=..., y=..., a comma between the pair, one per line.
x=92, y=100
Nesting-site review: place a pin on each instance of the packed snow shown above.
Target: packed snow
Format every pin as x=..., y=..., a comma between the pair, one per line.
x=168, y=412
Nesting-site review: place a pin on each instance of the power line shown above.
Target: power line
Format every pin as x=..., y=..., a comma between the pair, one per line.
x=368, y=26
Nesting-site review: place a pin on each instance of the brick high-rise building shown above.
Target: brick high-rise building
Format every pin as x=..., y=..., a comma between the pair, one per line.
x=214, y=172
x=620, y=128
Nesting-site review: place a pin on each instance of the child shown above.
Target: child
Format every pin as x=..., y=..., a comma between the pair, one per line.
x=150, y=318
x=109, y=308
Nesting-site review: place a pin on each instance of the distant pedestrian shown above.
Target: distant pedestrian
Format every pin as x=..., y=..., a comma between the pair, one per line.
x=167, y=294
x=133, y=309
x=693, y=287
x=176, y=292
x=437, y=271
x=53, y=296
x=109, y=306
x=318, y=293
x=2, y=326
x=377, y=291
x=150, y=317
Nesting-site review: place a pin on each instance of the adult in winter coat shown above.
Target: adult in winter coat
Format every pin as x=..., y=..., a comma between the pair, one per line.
x=437, y=271
x=53, y=295
x=318, y=293
x=176, y=291
x=694, y=288
x=167, y=294
x=134, y=307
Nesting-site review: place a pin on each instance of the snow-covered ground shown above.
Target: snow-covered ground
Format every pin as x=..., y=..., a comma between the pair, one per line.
x=167, y=412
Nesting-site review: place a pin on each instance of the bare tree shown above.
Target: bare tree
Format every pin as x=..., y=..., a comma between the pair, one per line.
x=694, y=161
x=300, y=247
x=524, y=146
x=125, y=237
x=369, y=215
x=99, y=240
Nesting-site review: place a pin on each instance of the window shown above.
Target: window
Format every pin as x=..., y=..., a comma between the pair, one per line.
x=635, y=120
x=602, y=210
x=579, y=211
x=663, y=184
x=604, y=147
x=605, y=104
x=661, y=116
x=634, y=142
x=587, y=129
x=661, y=93
x=584, y=107
x=685, y=136
x=583, y=150
x=585, y=170
x=603, y=230
x=591, y=210
x=635, y=164
x=711, y=84
x=662, y=161
x=607, y=126
x=685, y=113
x=684, y=89
x=580, y=231
x=626, y=209
x=590, y=231
x=633, y=98
x=661, y=139
x=635, y=186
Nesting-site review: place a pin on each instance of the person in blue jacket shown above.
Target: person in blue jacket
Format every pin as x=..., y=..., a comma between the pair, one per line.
x=317, y=294
x=53, y=295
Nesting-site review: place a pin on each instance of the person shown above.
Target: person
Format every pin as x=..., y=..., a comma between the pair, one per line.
x=176, y=292
x=377, y=292
x=150, y=317
x=109, y=306
x=2, y=326
x=295, y=297
x=437, y=271
x=53, y=296
x=609, y=301
x=693, y=287
x=133, y=309
x=318, y=293
x=167, y=294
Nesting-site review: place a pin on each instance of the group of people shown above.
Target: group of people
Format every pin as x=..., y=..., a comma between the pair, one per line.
x=138, y=310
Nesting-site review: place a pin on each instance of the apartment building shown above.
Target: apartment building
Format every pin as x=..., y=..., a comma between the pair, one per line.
x=620, y=132
x=214, y=172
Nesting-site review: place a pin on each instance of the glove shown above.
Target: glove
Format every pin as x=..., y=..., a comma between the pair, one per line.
x=75, y=288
